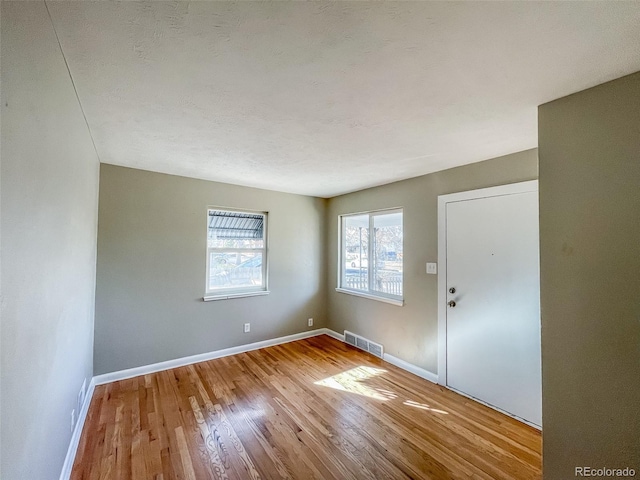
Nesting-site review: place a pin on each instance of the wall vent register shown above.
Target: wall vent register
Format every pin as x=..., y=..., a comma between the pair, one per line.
x=363, y=344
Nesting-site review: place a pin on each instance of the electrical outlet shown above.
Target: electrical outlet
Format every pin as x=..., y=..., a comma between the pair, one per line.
x=432, y=268
x=73, y=419
x=310, y=322
x=247, y=327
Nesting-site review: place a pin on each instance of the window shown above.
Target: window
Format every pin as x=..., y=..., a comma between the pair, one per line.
x=371, y=255
x=236, y=254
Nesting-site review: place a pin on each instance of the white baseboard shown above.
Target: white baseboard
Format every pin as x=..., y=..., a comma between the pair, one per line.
x=398, y=362
x=411, y=368
x=67, y=466
x=336, y=335
x=202, y=357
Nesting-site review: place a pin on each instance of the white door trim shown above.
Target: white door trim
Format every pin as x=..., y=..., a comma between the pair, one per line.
x=510, y=189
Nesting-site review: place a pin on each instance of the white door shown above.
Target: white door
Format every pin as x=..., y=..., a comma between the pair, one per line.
x=493, y=314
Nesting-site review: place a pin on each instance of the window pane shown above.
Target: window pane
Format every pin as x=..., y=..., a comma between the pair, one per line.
x=387, y=248
x=235, y=230
x=356, y=266
x=235, y=270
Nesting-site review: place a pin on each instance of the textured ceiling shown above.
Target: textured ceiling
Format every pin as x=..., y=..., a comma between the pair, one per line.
x=327, y=98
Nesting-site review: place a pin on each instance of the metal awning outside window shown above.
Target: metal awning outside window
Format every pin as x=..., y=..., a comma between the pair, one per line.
x=235, y=225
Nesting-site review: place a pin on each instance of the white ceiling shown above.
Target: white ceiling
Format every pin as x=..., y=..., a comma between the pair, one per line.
x=327, y=98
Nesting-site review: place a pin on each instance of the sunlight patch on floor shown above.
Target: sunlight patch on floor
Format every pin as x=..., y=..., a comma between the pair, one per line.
x=351, y=381
x=423, y=406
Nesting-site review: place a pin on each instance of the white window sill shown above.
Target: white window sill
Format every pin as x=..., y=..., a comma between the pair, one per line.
x=392, y=301
x=228, y=296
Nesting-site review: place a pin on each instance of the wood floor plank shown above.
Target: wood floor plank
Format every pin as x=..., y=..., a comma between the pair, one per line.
x=315, y=408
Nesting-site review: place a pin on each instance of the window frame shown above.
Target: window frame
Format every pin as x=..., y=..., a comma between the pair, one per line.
x=237, y=292
x=369, y=293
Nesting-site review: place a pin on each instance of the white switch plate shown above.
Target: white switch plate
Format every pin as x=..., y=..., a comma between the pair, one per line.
x=432, y=268
x=247, y=327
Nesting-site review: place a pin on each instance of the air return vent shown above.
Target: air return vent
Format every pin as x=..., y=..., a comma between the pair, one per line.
x=350, y=338
x=363, y=344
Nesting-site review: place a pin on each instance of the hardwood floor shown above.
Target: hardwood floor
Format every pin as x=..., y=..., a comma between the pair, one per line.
x=314, y=408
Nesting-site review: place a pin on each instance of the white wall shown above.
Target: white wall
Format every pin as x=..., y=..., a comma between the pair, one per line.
x=49, y=178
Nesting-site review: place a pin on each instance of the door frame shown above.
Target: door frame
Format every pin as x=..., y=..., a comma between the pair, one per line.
x=443, y=200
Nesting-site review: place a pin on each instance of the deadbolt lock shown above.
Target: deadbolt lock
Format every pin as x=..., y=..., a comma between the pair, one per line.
x=452, y=290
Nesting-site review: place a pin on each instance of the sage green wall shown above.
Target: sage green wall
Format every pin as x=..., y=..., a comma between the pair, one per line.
x=151, y=269
x=590, y=278
x=410, y=332
x=48, y=259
